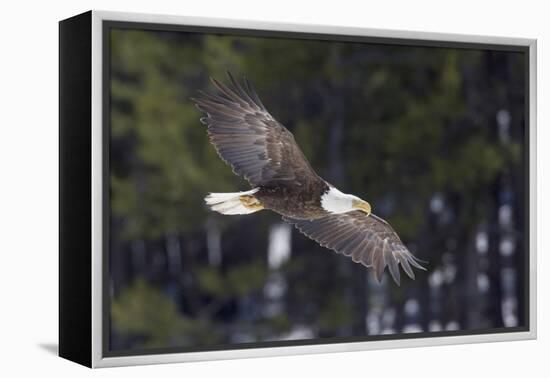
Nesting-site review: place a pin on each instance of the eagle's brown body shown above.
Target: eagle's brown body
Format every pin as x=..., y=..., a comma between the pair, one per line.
x=294, y=201
x=264, y=152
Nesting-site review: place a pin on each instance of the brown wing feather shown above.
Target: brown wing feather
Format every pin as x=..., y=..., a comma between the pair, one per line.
x=249, y=139
x=368, y=240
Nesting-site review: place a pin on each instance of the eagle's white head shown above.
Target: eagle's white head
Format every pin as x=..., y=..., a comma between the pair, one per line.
x=336, y=202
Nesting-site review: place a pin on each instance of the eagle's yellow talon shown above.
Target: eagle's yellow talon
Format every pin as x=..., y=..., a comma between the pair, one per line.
x=251, y=202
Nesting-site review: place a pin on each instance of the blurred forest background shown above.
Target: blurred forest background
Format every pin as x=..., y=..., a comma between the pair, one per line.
x=431, y=137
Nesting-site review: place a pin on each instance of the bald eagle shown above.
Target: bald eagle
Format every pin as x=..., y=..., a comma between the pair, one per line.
x=264, y=152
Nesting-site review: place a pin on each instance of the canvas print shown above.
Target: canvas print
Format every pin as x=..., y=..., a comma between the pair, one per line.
x=270, y=190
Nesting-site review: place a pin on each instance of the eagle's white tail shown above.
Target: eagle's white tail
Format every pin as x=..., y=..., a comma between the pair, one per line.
x=234, y=203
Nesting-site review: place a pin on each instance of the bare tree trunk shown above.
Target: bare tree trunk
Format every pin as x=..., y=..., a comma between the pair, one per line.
x=213, y=242
x=173, y=252
x=494, y=309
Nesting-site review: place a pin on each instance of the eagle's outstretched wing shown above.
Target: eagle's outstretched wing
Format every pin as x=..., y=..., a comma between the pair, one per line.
x=368, y=240
x=249, y=139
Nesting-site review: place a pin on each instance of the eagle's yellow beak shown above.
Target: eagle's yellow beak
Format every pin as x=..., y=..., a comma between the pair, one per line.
x=362, y=205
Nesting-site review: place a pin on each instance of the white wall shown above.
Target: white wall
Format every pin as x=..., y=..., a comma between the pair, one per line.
x=28, y=200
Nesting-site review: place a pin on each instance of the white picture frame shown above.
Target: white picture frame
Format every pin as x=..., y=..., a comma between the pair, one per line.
x=97, y=356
